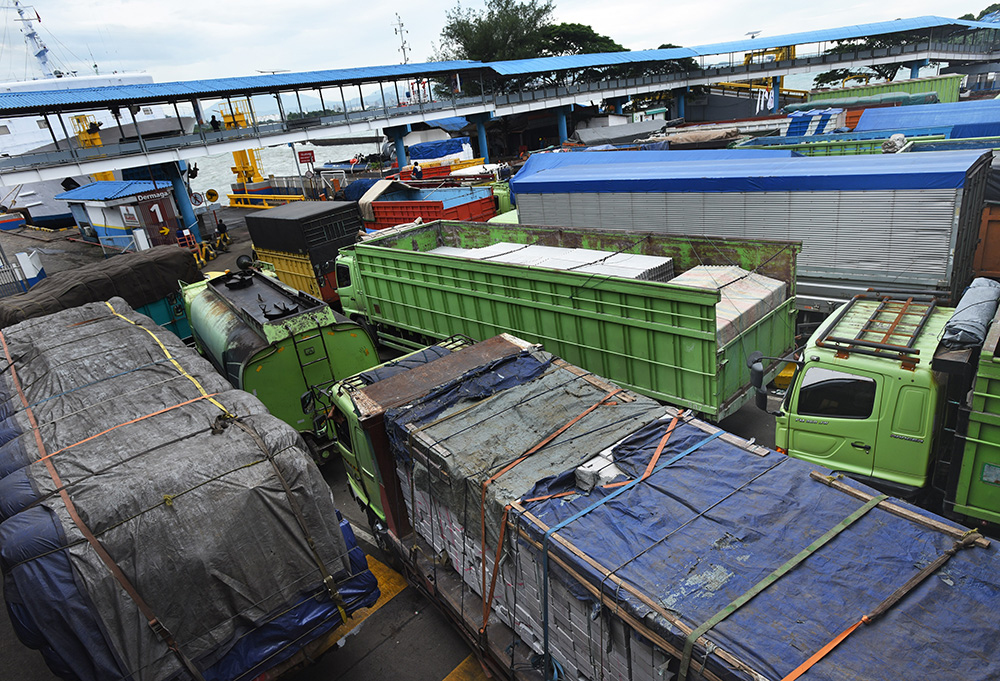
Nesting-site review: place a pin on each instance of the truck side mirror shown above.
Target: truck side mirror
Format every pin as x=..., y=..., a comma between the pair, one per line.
x=756, y=364
x=308, y=401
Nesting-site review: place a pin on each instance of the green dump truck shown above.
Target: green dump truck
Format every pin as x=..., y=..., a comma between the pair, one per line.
x=280, y=344
x=672, y=317
x=878, y=396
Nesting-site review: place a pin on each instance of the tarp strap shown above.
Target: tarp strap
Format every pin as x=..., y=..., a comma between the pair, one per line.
x=135, y=420
x=967, y=541
x=328, y=581
x=656, y=455
x=154, y=623
x=496, y=569
x=769, y=580
x=173, y=361
x=546, y=440
x=548, y=535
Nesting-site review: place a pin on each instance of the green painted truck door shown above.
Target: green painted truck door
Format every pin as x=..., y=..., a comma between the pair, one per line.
x=834, y=419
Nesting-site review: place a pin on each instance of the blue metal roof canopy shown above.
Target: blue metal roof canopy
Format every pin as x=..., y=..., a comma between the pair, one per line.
x=943, y=169
x=221, y=87
x=55, y=100
x=546, y=64
x=111, y=191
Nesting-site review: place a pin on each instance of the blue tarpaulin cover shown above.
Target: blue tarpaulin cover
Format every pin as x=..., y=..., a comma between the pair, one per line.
x=546, y=161
x=980, y=118
x=432, y=150
x=715, y=517
x=736, y=174
x=703, y=530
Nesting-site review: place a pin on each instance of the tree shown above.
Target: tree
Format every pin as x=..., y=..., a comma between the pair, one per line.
x=505, y=29
x=989, y=10
x=884, y=71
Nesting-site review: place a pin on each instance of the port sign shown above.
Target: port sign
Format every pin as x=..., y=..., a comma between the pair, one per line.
x=307, y=156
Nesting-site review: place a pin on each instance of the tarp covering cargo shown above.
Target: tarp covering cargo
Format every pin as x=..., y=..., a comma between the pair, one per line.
x=137, y=485
x=457, y=147
x=681, y=521
x=617, y=134
x=140, y=278
x=980, y=118
x=828, y=173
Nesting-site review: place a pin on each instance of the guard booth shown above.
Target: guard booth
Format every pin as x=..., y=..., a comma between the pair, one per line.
x=127, y=214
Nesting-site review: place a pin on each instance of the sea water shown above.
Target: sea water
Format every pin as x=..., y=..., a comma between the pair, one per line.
x=216, y=172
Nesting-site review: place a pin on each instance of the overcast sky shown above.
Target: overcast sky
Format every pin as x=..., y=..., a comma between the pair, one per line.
x=189, y=39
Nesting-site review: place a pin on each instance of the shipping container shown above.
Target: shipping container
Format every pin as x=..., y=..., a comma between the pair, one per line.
x=684, y=343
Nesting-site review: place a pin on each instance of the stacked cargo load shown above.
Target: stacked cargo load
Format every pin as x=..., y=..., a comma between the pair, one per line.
x=619, y=538
x=406, y=204
x=156, y=523
x=596, y=297
x=301, y=240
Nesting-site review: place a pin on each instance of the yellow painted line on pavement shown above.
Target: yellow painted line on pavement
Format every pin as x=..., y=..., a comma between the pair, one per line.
x=469, y=670
x=390, y=583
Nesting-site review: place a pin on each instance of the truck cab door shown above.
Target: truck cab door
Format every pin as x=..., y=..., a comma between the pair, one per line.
x=833, y=419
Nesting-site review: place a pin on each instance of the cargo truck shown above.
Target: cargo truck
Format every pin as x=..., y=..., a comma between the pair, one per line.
x=155, y=523
x=300, y=241
x=573, y=529
x=877, y=395
x=277, y=343
x=603, y=299
x=906, y=222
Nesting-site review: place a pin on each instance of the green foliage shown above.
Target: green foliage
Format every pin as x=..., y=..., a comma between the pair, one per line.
x=563, y=39
x=505, y=29
x=989, y=10
x=882, y=71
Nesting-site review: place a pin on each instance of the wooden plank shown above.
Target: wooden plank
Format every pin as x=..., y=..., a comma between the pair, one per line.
x=616, y=607
x=897, y=510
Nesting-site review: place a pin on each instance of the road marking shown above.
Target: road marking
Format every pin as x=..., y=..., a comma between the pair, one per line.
x=390, y=583
x=469, y=670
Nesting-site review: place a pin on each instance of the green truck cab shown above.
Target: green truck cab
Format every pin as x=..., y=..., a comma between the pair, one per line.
x=355, y=407
x=876, y=397
x=282, y=345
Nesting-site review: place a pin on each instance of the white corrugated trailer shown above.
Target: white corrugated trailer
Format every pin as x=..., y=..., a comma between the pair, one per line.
x=900, y=222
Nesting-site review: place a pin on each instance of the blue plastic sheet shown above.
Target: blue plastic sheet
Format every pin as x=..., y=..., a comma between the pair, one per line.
x=980, y=118
x=432, y=150
x=704, y=530
x=944, y=170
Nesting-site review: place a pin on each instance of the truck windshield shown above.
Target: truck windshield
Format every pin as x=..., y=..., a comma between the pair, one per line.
x=826, y=392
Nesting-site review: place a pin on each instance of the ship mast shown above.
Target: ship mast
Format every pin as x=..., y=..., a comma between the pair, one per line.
x=35, y=44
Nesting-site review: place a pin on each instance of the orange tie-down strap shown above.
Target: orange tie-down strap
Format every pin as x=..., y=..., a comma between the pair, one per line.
x=557, y=495
x=161, y=631
x=482, y=506
x=967, y=541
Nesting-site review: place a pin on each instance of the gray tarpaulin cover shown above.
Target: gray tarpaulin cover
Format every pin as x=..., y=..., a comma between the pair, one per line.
x=140, y=278
x=968, y=326
x=197, y=516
